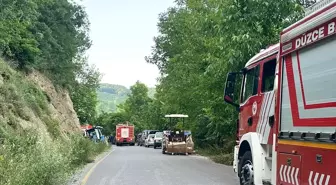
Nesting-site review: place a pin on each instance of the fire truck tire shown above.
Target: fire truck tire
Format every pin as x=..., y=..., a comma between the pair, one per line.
x=246, y=169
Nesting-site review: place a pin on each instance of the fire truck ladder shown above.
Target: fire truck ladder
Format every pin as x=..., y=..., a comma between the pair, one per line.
x=317, y=6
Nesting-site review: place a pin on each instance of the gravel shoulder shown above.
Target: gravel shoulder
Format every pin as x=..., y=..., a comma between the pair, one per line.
x=78, y=176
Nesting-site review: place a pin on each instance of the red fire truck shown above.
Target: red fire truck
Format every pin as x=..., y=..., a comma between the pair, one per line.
x=287, y=106
x=125, y=134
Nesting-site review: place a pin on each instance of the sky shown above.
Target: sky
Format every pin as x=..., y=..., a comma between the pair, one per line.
x=122, y=33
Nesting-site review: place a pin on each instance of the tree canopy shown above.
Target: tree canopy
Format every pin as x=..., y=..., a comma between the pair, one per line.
x=199, y=42
x=51, y=36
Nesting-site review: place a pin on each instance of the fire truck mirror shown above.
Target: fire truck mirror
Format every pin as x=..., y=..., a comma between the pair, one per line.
x=229, y=89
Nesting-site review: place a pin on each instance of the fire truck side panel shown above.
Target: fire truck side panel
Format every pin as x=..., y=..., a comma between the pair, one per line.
x=289, y=166
x=317, y=162
x=308, y=91
x=264, y=129
x=246, y=112
x=257, y=135
x=260, y=106
x=267, y=101
x=306, y=110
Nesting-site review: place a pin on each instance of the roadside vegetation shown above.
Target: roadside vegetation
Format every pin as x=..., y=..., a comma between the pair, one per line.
x=199, y=43
x=26, y=160
x=34, y=148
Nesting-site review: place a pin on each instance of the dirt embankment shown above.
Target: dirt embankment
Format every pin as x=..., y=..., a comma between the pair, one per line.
x=32, y=102
x=59, y=101
x=40, y=135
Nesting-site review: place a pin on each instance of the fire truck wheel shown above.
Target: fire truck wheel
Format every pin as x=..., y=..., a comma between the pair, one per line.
x=246, y=169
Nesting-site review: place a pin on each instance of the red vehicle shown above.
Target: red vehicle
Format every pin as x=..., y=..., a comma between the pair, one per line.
x=287, y=106
x=125, y=134
x=85, y=128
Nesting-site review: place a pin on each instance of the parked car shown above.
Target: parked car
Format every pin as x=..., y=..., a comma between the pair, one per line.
x=150, y=140
x=158, y=139
x=145, y=134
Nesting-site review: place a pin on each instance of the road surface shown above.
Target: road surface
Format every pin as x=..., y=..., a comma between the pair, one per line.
x=135, y=165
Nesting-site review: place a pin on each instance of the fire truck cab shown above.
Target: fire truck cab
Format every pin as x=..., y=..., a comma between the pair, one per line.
x=287, y=106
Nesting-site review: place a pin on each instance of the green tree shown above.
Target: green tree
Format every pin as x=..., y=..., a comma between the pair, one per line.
x=51, y=36
x=199, y=43
x=136, y=106
x=110, y=120
x=84, y=93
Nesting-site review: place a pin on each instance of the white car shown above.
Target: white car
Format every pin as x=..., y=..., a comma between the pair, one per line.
x=149, y=140
x=158, y=139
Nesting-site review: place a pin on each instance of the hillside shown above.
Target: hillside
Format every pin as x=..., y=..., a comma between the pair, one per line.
x=111, y=95
x=39, y=129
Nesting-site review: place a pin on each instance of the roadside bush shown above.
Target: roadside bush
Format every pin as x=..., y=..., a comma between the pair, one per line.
x=83, y=150
x=226, y=159
x=222, y=155
x=27, y=160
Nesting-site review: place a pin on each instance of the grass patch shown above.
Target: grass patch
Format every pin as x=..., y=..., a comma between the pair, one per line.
x=226, y=159
x=25, y=160
x=52, y=126
x=219, y=155
x=20, y=93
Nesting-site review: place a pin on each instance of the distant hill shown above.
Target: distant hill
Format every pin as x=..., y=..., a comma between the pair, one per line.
x=111, y=95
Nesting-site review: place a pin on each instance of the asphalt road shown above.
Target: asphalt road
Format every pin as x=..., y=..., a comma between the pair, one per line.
x=135, y=165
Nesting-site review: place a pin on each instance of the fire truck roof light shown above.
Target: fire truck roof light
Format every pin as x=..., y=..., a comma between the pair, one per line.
x=317, y=6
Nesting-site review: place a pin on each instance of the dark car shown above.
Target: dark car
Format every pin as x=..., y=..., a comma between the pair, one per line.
x=138, y=139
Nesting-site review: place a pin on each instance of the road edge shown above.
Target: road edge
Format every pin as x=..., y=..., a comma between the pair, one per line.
x=88, y=174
